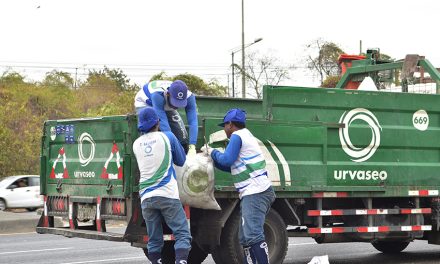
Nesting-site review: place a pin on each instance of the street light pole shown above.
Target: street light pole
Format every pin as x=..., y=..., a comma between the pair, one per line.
x=243, y=77
x=233, y=65
x=233, y=78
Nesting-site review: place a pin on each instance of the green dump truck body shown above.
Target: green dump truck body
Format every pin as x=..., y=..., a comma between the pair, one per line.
x=341, y=161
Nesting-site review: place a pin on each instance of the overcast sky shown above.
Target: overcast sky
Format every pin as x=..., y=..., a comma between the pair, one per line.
x=196, y=36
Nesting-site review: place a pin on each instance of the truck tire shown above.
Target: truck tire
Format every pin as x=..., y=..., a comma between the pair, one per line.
x=390, y=247
x=168, y=256
x=196, y=255
x=231, y=252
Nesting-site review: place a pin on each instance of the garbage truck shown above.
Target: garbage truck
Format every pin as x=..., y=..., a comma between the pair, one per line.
x=347, y=165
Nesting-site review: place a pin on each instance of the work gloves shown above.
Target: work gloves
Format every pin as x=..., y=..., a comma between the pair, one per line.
x=191, y=150
x=207, y=150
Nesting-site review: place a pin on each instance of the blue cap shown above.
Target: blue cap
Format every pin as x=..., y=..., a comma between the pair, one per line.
x=147, y=119
x=236, y=115
x=178, y=94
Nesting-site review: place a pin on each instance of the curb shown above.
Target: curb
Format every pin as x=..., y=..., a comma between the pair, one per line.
x=12, y=222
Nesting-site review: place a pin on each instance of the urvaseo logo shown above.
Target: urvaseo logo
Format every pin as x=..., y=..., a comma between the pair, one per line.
x=86, y=137
x=180, y=95
x=359, y=154
x=148, y=149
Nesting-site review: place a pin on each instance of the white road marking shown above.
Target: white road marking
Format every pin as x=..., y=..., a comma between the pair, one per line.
x=13, y=234
x=36, y=250
x=302, y=244
x=103, y=260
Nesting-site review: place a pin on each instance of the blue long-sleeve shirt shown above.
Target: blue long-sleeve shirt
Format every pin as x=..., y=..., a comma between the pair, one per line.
x=158, y=103
x=224, y=161
x=177, y=151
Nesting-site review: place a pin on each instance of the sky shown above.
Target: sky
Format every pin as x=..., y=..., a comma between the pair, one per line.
x=197, y=36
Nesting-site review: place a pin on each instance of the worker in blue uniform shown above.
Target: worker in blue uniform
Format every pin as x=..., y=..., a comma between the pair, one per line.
x=165, y=97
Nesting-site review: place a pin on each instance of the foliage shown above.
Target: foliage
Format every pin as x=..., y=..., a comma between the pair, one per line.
x=117, y=76
x=161, y=76
x=330, y=81
x=195, y=84
x=322, y=58
x=10, y=78
x=24, y=106
x=58, y=79
x=23, y=109
x=199, y=87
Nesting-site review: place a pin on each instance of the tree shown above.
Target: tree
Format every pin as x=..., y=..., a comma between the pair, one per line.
x=199, y=87
x=161, y=76
x=195, y=84
x=11, y=78
x=58, y=79
x=263, y=69
x=117, y=76
x=331, y=81
x=322, y=58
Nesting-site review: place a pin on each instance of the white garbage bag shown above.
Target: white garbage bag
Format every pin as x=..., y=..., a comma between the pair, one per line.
x=320, y=260
x=196, y=182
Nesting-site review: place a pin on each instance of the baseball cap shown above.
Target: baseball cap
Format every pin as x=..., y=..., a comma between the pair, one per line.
x=236, y=115
x=147, y=119
x=178, y=94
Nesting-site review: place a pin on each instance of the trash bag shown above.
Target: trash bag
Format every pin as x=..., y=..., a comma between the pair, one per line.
x=196, y=182
x=320, y=260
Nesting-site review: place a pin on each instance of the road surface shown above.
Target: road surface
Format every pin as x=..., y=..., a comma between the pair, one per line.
x=51, y=249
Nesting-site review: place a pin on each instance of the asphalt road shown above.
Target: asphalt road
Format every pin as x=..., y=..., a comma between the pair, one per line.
x=38, y=248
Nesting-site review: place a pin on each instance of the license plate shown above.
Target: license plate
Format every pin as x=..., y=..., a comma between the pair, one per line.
x=86, y=212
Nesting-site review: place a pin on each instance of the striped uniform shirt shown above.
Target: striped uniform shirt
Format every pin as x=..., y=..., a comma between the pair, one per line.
x=248, y=167
x=155, y=154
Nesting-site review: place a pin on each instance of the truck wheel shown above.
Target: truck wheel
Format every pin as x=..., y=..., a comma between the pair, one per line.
x=390, y=247
x=231, y=252
x=196, y=255
x=2, y=205
x=168, y=255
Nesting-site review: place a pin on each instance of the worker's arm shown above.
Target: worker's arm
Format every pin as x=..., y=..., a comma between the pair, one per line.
x=177, y=151
x=225, y=160
x=158, y=101
x=191, y=115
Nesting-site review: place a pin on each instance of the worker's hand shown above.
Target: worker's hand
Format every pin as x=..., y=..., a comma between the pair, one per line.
x=207, y=150
x=191, y=150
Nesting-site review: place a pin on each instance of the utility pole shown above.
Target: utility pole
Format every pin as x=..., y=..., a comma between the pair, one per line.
x=76, y=77
x=243, y=74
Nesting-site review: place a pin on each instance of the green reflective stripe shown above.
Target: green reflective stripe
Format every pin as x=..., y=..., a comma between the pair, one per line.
x=244, y=175
x=160, y=172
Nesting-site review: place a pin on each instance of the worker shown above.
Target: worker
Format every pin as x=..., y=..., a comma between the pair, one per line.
x=244, y=159
x=166, y=97
x=155, y=153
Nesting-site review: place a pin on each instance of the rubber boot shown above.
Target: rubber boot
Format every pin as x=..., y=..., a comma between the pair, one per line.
x=182, y=256
x=155, y=258
x=261, y=252
x=249, y=257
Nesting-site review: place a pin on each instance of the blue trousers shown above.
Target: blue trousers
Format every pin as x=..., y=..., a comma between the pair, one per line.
x=171, y=210
x=253, y=210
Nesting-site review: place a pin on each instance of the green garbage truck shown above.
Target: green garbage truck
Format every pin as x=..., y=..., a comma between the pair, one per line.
x=347, y=166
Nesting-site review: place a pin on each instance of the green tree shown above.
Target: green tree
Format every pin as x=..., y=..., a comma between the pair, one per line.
x=117, y=76
x=330, y=81
x=161, y=76
x=199, y=87
x=195, y=84
x=58, y=79
x=11, y=78
x=322, y=58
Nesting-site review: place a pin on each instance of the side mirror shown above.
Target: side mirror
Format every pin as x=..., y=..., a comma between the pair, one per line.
x=12, y=186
